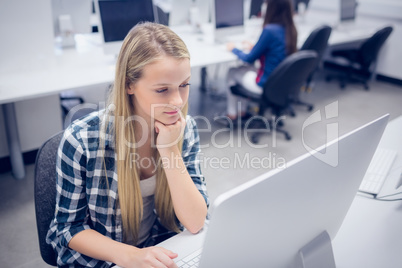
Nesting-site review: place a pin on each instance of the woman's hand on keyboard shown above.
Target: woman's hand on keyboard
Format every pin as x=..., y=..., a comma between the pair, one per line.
x=230, y=46
x=151, y=257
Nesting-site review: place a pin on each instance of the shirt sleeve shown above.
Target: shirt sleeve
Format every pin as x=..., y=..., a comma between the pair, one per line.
x=257, y=51
x=71, y=215
x=191, y=157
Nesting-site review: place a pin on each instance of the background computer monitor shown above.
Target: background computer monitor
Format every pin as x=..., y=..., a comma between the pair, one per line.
x=79, y=12
x=347, y=10
x=269, y=219
x=255, y=8
x=117, y=17
x=228, y=18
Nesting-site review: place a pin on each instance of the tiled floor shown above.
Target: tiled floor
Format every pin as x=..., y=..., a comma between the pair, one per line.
x=224, y=153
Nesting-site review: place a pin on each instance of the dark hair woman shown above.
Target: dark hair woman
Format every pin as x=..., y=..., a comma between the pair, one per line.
x=277, y=40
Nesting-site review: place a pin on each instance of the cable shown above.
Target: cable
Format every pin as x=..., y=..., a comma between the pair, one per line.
x=383, y=199
x=374, y=197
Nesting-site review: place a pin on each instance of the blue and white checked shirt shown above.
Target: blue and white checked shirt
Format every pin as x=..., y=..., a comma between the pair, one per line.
x=85, y=201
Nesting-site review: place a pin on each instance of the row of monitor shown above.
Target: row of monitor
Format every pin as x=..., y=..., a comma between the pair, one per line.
x=117, y=17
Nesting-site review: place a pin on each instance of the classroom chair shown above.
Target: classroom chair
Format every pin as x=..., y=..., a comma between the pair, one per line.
x=357, y=63
x=318, y=42
x=283, y=83
x=45, y=194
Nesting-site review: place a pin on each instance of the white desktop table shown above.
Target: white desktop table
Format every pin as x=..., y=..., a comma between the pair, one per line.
x=371, y=234
x=87, y=65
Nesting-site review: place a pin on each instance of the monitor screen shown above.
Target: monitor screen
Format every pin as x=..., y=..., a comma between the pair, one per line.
x=117, y=17
x=229, y=13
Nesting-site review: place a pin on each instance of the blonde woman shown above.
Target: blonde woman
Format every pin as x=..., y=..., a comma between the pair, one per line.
x=129, y=176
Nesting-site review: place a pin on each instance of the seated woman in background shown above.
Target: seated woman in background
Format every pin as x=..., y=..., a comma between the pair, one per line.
x=129, y=176
x=277, y=40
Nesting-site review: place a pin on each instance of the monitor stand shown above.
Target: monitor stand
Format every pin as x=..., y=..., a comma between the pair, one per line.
x=317, y=253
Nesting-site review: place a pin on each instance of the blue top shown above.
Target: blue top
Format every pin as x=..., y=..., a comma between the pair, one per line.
x=270, y=50
x=83, y=198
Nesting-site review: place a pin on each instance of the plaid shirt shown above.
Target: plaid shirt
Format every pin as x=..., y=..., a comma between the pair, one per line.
x=85, y=201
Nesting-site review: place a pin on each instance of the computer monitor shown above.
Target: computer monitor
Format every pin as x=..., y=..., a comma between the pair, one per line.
x=228, y=18
x=347, y=10
x=288, y=217
x=255, y=8
x=117, y=17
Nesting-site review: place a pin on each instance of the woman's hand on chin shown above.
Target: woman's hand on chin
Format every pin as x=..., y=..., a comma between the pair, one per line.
x=169, y=135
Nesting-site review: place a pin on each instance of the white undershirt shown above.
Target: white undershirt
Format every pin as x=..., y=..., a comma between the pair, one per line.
x=147, y=187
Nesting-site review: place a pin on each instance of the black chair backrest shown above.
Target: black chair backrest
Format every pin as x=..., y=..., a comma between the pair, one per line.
x=45, y=194
x=368, y=51
x=318, y=40
x=287, y=78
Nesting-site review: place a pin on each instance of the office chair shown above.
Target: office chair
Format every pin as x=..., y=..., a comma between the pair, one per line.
x=318, y=42
x=283, y=83
x=45, y=194
x=357, y=63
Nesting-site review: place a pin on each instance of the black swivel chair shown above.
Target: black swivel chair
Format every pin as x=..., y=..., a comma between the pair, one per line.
x=357, y=63
x=283, y=83
x=318, y=42
x=45, y=194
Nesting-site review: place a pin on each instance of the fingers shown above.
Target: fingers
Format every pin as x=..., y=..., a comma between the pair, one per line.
x=166, y=258
x=162, y=258
x=157, y=125
x=169, y=253
x=169, y=135
x=229, y=46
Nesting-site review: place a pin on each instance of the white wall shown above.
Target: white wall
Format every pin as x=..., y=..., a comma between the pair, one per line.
x=390, y=9
x=27, y=41
x=26, y=32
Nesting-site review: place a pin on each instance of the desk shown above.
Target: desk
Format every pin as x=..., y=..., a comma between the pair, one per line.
x=74, y=69
x=361, y=28
x=371, y=234
x=87, y=65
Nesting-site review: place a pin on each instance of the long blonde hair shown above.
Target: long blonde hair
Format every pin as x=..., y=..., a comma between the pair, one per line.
x=144, y=44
